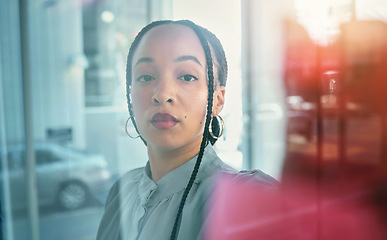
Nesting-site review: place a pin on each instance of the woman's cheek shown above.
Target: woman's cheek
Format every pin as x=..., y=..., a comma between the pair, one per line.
x=139, y=104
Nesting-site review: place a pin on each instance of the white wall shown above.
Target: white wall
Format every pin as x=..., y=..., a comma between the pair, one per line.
x=262, y=51
x=57, y=81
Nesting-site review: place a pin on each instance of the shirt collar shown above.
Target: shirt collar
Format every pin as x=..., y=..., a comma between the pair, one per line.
x=177, y=179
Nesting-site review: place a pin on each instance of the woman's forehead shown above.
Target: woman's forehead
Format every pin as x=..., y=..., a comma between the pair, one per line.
x=170, y=39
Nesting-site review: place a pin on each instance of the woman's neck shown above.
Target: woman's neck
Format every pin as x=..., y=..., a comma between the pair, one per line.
x=162, y=161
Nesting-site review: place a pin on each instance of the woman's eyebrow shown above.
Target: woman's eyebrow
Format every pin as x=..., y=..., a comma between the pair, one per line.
x=143, y=59
x=186, y=58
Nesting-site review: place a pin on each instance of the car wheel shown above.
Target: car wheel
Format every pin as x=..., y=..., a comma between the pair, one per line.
x=72, y=196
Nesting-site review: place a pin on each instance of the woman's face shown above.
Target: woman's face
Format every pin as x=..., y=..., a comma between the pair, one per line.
x=169, y=87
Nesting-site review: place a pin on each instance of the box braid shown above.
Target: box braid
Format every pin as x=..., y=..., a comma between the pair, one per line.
x=205, y=37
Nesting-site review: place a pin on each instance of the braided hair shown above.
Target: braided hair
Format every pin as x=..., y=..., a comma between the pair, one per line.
x=211, y=45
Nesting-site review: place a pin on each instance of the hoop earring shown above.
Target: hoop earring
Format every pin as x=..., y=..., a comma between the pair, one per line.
x=126, y=128
x=219, y=127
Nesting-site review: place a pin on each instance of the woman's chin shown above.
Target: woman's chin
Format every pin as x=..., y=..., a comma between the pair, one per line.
x=168, y=144
x=164, y=143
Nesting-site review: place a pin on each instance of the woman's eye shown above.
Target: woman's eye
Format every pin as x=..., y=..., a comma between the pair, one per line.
x=188, y=78
x=145, y=78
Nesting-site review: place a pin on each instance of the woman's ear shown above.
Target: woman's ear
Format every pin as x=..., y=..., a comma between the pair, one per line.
x=218, y=100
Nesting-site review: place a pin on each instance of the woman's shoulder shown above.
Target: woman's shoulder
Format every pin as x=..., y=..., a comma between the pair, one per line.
x=126, y=181
x=214, y=167
x=254, y=176
x=257, y=176
x=130, y=177
x=133, y=175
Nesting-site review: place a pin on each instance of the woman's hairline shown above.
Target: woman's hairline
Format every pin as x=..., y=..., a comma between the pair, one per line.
x=215, y=60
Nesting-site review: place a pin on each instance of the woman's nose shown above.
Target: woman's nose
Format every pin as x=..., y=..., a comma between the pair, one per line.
x=169, y=100
x=164, y=92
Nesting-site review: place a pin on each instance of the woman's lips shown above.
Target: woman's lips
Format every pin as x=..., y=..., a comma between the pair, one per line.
x=163, y=121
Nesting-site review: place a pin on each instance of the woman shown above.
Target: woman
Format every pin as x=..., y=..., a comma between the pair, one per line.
x=176, y=77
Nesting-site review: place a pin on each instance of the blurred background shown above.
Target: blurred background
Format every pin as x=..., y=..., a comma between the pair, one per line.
x=63, y=107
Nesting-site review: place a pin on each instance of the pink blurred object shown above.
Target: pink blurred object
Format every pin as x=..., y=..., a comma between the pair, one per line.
x=244, y=210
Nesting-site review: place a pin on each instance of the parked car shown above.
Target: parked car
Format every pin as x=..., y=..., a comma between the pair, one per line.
x=66, y=177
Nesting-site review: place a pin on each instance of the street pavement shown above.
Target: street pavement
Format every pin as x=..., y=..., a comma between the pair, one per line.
x=81, y=224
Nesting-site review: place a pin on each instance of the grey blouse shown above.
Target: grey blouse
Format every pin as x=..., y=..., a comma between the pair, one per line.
x=139, y=208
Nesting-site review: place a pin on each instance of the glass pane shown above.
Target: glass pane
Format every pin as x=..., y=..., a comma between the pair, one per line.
x=12, y=175
x=77, y=62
